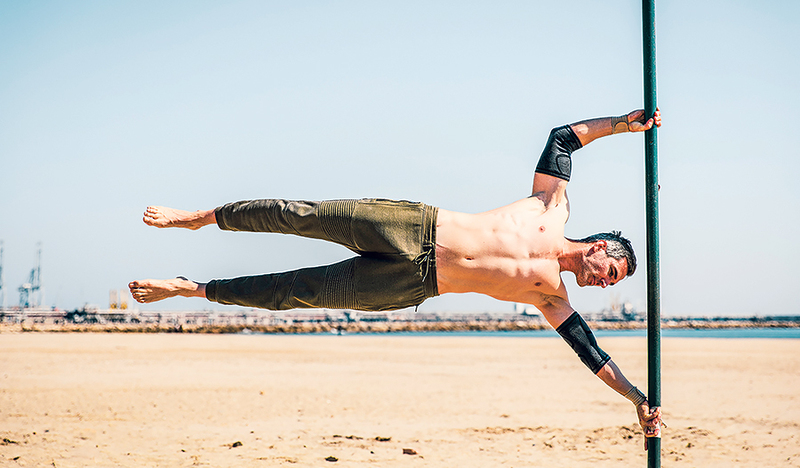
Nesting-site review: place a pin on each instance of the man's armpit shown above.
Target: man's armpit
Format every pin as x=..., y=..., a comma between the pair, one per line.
x=550, y=190
x=555, y=308
x=551, y=302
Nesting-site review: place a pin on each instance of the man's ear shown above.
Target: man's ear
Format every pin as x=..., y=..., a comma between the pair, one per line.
x=599, y=246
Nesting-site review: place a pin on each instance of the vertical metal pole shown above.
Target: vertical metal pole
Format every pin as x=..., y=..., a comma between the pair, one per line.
x=2, y=293
x=651, y=193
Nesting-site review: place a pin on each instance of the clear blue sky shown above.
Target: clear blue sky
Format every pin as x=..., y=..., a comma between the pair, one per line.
x=107, y=107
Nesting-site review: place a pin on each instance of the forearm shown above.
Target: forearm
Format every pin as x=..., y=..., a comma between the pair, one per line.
x=556, y=160
x=649, y=418
x=575, y=331
x=592, y=129
x=589, y=130
x=612, y=376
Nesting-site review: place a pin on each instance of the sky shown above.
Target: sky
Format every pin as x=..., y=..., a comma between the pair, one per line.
x=108, y=107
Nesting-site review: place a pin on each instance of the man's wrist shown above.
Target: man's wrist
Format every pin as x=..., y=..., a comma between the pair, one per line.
x=635, y=396
x=619, y=124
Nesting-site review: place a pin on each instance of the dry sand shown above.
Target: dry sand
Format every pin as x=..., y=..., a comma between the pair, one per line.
x=82, y=399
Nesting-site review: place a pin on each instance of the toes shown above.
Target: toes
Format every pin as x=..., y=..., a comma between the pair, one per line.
x=152, y=212
x=139, y=296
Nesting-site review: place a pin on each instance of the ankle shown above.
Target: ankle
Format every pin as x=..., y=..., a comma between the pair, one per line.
x=200, y=290
x=208, y=217
x=189, y=288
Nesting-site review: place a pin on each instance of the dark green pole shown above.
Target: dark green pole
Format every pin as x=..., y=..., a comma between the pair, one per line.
x=651, y=193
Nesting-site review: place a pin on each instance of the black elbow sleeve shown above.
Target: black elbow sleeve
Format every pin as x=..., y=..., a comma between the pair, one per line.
x=556, y=159
x=577, y=334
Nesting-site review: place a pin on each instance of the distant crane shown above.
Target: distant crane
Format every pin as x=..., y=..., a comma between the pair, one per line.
x=28, y=292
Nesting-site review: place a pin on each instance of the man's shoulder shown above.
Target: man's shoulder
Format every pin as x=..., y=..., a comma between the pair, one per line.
x=533, y=213
x=532, y=205
x=539, y=203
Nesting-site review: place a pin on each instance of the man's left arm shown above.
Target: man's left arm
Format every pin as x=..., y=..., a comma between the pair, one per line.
x=649, y=418
x=576, y=332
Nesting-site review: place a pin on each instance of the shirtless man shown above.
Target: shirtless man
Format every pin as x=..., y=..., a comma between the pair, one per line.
x=408, y=252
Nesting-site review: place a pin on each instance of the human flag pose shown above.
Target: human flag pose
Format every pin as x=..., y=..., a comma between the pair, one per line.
x=408, y=252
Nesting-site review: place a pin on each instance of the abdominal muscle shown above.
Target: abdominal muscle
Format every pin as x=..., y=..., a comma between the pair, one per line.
x=509, y=253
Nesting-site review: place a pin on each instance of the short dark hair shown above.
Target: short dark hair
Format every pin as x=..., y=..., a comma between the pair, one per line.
x=616, y=247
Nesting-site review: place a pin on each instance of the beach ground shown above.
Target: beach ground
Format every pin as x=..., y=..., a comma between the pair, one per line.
x=103, y=399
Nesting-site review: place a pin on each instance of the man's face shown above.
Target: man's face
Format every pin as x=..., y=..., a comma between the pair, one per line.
x=601, y=270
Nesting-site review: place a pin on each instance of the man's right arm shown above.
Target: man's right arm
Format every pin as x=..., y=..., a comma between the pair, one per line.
x=555, y=164
x=592, y=129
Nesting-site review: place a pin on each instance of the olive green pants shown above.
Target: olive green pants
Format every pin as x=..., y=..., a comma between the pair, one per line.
x=395, y=267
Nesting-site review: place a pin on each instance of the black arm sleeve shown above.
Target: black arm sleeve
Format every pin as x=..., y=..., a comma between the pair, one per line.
x=556, y=159
x=577, y=334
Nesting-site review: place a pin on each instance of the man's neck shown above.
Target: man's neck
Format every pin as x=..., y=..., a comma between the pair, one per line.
x=572, y=254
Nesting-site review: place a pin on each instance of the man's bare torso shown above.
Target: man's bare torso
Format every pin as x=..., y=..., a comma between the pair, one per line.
x=510, y=253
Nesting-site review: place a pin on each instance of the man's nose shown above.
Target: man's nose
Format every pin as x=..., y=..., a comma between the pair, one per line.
x=603, y=283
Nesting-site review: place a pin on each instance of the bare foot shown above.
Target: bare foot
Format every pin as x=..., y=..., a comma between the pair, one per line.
x=155, y=290
x=162, y=217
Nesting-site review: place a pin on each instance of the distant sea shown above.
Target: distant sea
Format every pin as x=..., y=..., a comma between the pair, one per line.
x=722, y=333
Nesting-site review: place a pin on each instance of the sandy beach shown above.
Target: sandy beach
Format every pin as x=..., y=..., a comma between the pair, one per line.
x=174, y=400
